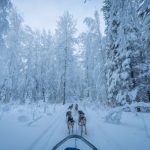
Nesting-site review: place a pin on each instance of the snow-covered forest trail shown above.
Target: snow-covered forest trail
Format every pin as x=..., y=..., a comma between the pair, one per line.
x=96, y=54
x=18, y=133
x=53, y=129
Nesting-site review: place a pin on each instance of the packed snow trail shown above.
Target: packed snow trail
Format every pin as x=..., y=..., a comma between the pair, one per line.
x=51, y=128
x=32, y=122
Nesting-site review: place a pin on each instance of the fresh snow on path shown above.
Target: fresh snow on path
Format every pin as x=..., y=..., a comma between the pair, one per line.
x=19, y=131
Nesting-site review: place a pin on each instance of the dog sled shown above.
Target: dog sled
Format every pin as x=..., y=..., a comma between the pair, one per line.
x=72, y=148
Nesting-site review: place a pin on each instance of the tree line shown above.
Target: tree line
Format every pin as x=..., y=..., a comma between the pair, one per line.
x=65, y=66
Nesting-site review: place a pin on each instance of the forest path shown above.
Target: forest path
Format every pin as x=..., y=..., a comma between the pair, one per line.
x=103, y=135
x=96, y=132
x=49, y=128
x=52, y=129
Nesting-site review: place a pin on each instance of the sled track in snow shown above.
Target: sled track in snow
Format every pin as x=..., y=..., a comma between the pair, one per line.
x=32, y=122
x=49, y=137
x=112, y=142
x=43, y=133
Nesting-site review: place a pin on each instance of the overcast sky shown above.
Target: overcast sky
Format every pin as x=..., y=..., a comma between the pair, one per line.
x=43, y=14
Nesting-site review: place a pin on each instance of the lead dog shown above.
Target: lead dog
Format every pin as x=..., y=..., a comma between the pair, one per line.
x=70, y=107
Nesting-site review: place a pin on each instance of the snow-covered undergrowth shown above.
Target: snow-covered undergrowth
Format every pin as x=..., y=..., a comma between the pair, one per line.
x=40, y=127
x=114, y=115
x=27, y=112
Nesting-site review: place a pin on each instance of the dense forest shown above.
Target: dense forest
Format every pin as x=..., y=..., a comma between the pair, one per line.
x=70, y=85
x=65, y=66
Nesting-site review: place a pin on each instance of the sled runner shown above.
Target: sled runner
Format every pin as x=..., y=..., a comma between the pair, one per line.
x=72, y=148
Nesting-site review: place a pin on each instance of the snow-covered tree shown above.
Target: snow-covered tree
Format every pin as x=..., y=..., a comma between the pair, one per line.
x=144, y=15
x=131, y=57
x=94, y=58
x=112, y=11
x=5, y=6
x=125, y=56
x=14, y=52
x=65, y=42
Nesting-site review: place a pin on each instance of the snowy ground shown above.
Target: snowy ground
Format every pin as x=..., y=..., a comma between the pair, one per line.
x=35, y=128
